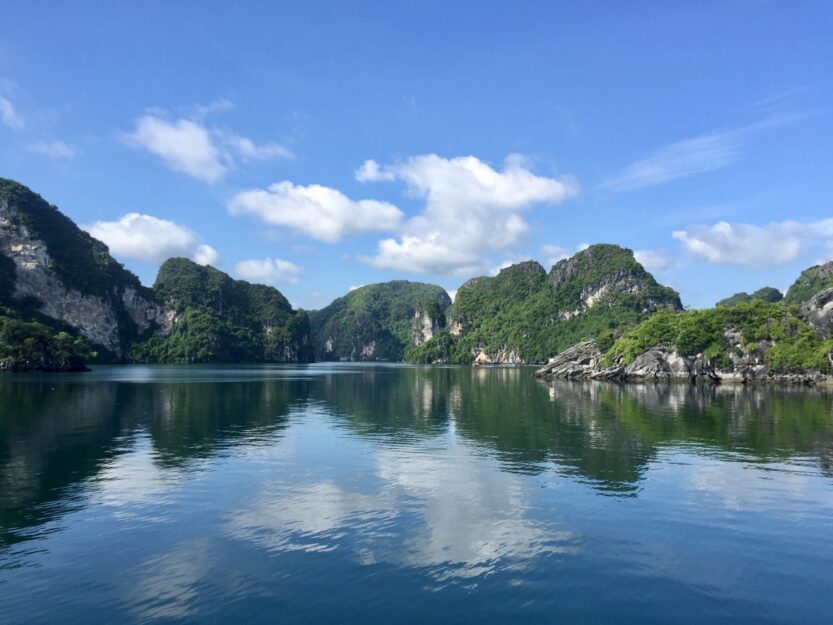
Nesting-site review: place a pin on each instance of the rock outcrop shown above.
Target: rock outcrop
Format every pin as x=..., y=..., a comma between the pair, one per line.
x=818, y=312
x=585, y=361
x=60, y=272
x=787, y=348
x=428, y=321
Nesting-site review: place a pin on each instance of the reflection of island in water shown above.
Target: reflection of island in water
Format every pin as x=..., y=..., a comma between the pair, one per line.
x=603, y=432
x=55, y=435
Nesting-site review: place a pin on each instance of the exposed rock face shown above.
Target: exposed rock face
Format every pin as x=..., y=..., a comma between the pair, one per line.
x=584, y=361
x=427, y=322
x=578, y=361
x=818, y=312
x=110, y=317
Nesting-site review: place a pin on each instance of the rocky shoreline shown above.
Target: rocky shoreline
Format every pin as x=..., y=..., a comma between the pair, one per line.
x=585, y=361
x=46, y=365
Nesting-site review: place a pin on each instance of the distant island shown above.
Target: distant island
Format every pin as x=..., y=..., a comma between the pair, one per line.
x=66, y=303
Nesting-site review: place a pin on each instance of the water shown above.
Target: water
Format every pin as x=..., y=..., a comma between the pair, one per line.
x=392, y=494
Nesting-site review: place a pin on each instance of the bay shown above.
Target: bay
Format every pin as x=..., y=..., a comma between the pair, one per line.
x=336, y=493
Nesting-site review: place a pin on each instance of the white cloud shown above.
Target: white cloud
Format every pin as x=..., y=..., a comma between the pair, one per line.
x=747, y=245
x=688, y=157
x=246, y=149
x=679, y=160
x=53, y=149
x=320, y=212
x=148, y=238
x=470, y=210
x=554, y=253
x=183, y=144
x=453, y=294
x=269, y=270
x=354, y=287
x=370, y=171
x=9, y=116
x=189, y=146
x=652, y=260
x=205, y=255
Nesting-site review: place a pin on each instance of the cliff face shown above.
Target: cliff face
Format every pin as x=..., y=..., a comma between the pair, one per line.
x=63, y=295
x=214, y=318
x=379, y=321
x=525, y=314
x=428, y=321
x=58, y=272
x=751, y=341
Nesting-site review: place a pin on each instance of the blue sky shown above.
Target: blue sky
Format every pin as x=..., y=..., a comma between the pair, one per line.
x=319, y=146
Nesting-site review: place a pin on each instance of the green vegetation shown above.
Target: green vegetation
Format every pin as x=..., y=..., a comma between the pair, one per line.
x=787, y=343
x=766, y=294
x=533, y=315
x=811, y=281
x=34, y=346
x=377, y=315
x=219, y=319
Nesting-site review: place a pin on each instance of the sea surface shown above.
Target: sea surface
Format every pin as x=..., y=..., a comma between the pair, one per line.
x=346, y=493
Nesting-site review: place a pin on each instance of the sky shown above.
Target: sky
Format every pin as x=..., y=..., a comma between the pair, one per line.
x=319, y=146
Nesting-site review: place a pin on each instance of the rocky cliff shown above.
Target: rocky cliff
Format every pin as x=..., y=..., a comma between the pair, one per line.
x=524, y=314
x=57, y=273
x=64, y=300
x=379, y=321
x=751, y=341
x=214, y=318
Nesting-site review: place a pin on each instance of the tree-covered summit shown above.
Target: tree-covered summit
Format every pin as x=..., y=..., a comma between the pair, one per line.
x=767, y=294
x=373, y=322
x=219, y=319
x=524, y=314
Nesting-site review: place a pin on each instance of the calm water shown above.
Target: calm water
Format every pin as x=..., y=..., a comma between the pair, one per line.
x=390, y=494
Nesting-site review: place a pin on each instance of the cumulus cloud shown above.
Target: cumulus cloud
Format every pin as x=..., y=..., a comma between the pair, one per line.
x=370, y=171
x=9, y=115
x=183, y=144
x=187, y=145
x=53, y=149
x=148, y=238
x=470, y=210
x=320, y=212
x=269, y=270
x=757, y=247
x=205, y=255
x=653, y=260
